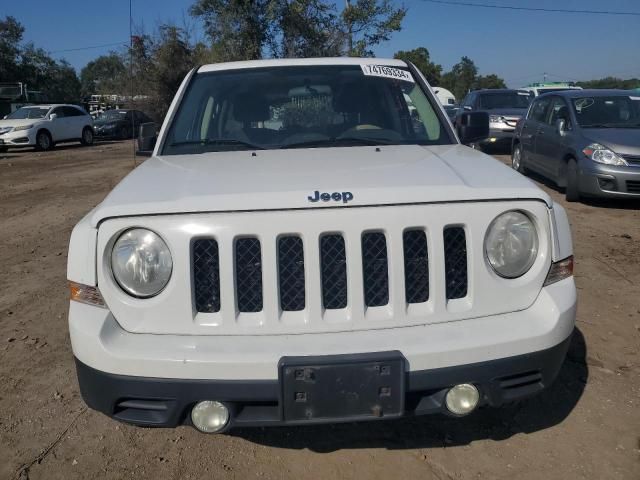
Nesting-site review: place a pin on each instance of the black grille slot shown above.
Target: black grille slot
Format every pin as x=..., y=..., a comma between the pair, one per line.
x=248, y=275
x=455, y=262
x=375, y=269
x=333, y=261
x=633, y=186
x=416, y=266
x=633, y=160
x=206, y=275
x=291, y=273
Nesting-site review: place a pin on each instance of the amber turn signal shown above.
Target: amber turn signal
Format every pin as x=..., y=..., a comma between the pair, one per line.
x=86, y=294
x=559, y=271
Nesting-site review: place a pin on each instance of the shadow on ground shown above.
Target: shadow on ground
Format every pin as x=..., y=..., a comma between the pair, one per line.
x=549, y=408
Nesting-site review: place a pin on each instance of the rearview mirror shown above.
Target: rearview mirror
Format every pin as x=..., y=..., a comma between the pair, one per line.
x=561, y=127
x=53, y=116
x=146, y=139
x=473, y=127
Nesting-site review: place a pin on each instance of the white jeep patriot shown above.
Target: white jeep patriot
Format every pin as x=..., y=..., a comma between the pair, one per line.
x=311, y=242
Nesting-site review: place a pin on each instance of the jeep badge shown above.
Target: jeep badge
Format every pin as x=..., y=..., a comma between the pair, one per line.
x=345, y=197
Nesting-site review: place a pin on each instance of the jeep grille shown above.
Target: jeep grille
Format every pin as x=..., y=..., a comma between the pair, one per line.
x=333, y=270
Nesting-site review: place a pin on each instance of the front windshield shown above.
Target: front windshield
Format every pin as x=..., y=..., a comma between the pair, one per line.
x=490, y=101
x=616, y=111
x=303, y=107
x=28, y=112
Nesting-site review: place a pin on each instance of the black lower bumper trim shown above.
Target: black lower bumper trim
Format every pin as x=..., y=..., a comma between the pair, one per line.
x=165, y=402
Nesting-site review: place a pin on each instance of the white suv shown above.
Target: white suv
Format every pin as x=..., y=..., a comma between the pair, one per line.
x=311, y=242
x=43, y=126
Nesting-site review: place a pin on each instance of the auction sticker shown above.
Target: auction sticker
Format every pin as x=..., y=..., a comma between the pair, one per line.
x=387, y=72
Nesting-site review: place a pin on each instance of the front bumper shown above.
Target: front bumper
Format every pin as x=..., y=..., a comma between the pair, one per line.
x=21, y=138
x=607, y=181
x=499, y=136
x=106, y=133
x=159, y=377
x=162, y=402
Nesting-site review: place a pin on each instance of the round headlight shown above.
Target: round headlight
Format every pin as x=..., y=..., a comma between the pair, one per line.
x=141, y=262
x=511, y=244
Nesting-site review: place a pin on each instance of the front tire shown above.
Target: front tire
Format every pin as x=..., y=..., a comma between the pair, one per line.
x=87, y=136
x=517, y=159
x=44, y=142
x=572, y=193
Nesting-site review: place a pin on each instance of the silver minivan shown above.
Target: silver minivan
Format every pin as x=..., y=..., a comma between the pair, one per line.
x=587, y=141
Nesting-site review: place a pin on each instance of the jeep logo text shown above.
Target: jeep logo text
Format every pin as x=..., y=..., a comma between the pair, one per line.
x=345, y=197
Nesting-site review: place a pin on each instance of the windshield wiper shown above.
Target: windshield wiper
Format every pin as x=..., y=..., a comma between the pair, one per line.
x=598, y=125
x=218, y=141
x=338, y=141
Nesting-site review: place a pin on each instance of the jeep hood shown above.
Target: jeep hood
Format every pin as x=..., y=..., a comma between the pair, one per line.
x=283, y=179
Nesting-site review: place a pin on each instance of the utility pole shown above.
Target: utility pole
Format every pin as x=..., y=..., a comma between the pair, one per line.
x=133, y=121
x=349, y=30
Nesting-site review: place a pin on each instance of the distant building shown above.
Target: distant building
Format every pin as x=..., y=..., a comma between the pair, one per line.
x=96, y=104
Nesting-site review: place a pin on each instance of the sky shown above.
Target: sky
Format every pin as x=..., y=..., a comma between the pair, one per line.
x=519, y=46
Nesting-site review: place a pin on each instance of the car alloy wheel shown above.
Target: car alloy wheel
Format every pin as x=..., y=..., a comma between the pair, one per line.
x=87, y=136
x=43, y=141
x=516, y=158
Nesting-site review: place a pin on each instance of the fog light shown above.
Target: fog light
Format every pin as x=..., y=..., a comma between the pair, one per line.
x=462, y=399
x=210, y=416
x=607, y=184
x=493, y=140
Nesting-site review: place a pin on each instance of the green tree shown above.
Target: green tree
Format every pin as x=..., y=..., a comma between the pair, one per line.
x=238, y=29
x=11, y=32
x=33, y=66
x=250, y=29
x=421, y=59
x=57, y=80
x=611, y=82
x=489, y=81
x=158, y=64
x=461, y=78
x=369, y=23
x=106, y=74
x=173, y=58
x=64, y=84
x=309, y=28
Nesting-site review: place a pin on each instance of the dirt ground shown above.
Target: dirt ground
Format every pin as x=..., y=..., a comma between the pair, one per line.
x=586, y=426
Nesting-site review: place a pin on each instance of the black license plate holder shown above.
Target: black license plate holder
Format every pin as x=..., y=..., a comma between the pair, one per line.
x=342, y=387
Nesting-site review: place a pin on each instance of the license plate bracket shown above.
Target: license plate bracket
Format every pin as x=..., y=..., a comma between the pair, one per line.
x=342, y=387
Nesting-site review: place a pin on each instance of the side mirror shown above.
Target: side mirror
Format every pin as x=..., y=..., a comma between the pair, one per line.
x=146, y=139
x=561, y=127
x=53, y=116
x=473, y=127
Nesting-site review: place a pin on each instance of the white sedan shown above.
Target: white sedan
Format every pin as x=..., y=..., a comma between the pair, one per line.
x=43, y=126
